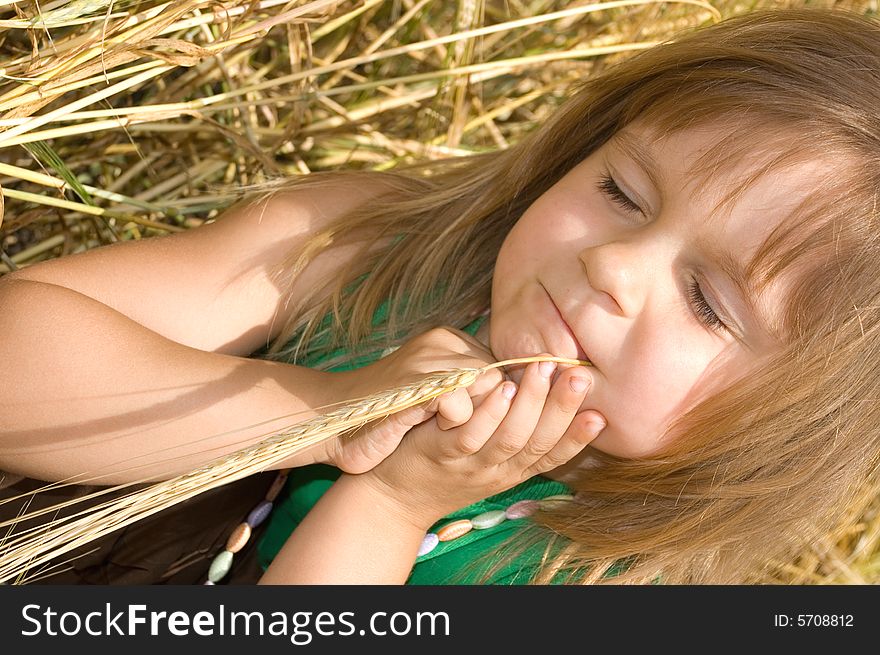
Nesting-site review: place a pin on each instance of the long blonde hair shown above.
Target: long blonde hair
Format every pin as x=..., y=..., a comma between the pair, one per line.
x=758, y=470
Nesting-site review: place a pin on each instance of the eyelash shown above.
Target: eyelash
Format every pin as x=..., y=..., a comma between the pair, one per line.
x=704, y=312
x=609, y=187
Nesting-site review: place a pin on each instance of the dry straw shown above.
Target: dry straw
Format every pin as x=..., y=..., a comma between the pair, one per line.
x=103, y=59
x=35, y=547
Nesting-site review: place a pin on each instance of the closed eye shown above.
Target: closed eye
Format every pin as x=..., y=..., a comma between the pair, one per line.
x=609, y=187
x=704, y=312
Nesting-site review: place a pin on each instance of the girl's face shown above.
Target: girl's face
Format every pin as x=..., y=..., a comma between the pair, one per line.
x=632, y=259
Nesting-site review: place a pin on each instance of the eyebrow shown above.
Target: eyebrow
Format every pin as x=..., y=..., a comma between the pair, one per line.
x=734, y=269
x=638, y=152
x=730, y=265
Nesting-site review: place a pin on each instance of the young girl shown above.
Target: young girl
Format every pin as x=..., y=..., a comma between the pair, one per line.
x=698, y=223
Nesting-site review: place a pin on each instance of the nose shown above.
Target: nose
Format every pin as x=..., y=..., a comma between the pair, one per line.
x=621, y=272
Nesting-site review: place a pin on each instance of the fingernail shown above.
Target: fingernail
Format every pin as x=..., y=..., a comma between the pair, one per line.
x=578, y=384
x=595, y=427
x=508, y=390
x=547, y=368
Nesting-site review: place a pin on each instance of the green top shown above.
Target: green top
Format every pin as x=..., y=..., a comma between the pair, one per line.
x=443, y=565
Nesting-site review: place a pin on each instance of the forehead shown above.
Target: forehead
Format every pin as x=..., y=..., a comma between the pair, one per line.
x=724, y=165
x=741, y=186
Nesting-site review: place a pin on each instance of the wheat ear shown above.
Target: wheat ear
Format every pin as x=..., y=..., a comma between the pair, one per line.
x=38, y=546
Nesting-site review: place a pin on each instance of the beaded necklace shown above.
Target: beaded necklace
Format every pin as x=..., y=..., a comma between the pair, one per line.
x=241, y=535
x=449, y=531
x=460, y=527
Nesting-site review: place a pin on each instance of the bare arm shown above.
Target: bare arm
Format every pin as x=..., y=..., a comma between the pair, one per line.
x=353, y=535
x=211, y=287
x=88, y=390
x=114, y=356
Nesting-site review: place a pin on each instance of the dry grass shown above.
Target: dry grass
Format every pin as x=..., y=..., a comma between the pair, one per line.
x=127, y=119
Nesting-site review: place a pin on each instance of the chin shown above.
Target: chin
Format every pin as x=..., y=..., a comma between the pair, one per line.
x=575, y=468
x=605, y=444
x=516, y=374
x=515, y=371
x=515, y=347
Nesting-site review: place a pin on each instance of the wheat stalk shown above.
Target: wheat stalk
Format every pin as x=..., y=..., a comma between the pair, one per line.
x=37, y=546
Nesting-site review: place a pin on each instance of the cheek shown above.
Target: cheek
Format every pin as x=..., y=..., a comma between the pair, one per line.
x=519, y=244
x=640, y=410
x=550, y=222
x=637, y=427
x=518, y=260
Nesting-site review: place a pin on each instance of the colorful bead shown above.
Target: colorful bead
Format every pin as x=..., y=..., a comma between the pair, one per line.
x=521, y=509
x=220, y=566
x=276, y=487
x=488, y=519
x=559, y=497
x=259, y=513
x=242, y=533
x=454, y=530
x=549, y=500
x=484, y=521
x=428, y=544
x=238, y=538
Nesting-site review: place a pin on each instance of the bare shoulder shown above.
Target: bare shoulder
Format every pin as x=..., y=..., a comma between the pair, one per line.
x=214, y=287
x=313, y=206
x=284, y=221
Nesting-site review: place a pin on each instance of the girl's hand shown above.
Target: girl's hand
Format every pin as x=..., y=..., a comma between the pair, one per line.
x=435, y=471
x=435, y=350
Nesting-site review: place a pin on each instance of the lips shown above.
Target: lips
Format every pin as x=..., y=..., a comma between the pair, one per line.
x=581, y=353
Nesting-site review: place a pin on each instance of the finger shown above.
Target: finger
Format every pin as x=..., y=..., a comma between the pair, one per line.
x=471, y=436
x=585, y=427
x=454, y=408
x=564, y=401
x=522, y=419
x=455, y=405
x=485, y=382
